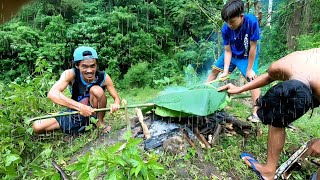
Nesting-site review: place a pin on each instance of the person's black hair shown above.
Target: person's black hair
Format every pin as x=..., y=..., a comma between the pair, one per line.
x=86, y=53
x=76, y=64
x=233, y=8
x=284, y=103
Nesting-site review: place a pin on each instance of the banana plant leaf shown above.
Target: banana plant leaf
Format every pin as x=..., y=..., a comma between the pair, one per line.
x=201, y=101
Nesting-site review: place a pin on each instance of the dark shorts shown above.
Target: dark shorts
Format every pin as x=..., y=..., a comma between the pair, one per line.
x=242, y=64
x=73, y=124
x=285, y=103
x=76, y=123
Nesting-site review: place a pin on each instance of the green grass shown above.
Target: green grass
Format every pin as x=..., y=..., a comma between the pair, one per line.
x=310, y=126
x=138, y=96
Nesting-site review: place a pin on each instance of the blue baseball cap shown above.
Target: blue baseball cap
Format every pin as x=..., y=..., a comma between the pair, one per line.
x=84, y=53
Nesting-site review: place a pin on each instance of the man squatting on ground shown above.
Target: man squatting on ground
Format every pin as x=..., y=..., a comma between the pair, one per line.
x=87, y=86
x=284, y=102
x=240, y=35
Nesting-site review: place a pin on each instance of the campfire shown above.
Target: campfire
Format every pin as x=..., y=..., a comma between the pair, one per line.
x=171, y=133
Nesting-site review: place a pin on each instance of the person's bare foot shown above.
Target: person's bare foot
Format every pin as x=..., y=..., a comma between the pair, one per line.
x=265, y=172
x=104, y=128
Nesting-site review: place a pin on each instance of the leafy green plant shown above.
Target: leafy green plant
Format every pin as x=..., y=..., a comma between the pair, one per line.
x=308, y=41
x=138, y=76
x=120, y=161
x=162, y=82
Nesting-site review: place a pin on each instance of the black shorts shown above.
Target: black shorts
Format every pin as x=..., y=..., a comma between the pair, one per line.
x=73, y=124
x=285, y=103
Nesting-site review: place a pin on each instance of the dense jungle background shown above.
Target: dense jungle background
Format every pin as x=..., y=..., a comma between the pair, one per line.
x=145, y=46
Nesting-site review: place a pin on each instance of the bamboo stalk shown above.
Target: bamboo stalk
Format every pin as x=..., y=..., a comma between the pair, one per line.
x=125, y=104
x=77, y=112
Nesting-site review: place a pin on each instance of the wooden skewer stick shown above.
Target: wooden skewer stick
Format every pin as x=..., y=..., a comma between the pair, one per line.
x=143, y=125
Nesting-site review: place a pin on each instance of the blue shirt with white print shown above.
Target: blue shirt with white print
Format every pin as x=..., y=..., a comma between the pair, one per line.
x=240, y=38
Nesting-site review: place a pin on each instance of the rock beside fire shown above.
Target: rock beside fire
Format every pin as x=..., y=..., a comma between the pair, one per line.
x=175, y=145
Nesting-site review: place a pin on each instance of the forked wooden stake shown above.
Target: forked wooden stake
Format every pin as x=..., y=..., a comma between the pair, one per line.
x=143, y=125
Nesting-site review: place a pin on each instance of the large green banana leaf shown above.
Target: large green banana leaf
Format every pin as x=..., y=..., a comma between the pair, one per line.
x=201, y=101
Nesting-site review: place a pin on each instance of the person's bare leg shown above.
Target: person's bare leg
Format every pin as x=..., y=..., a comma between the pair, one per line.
x=213, y=75
x=99, y=100
x=45, y=125
x=255, y=93
x=276, y=140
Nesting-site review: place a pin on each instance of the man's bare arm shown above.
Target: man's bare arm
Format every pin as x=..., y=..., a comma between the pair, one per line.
x=112, y=90
x=56, y=92
x=256, y=83
x=227, y=58
x=252, y=54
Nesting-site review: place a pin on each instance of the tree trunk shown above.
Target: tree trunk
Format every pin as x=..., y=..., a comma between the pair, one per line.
x=269, y=13
x=294, y=25
x=247, y=5
x=258, y=10
x=306, y=18
x=299, y=23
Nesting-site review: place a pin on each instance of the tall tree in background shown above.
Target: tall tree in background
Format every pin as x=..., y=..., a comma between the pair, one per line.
x=247, y=5
x=258, y=10
x=299, y=21
x=269, y=13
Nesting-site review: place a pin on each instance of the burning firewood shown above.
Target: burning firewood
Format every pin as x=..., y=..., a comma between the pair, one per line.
x=239, y=126
x=228, y=126
x=187, y=138
x=215, y=135
x=201, y=137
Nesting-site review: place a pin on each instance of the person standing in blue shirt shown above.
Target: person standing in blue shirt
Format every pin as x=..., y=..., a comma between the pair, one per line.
x=240, y=35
